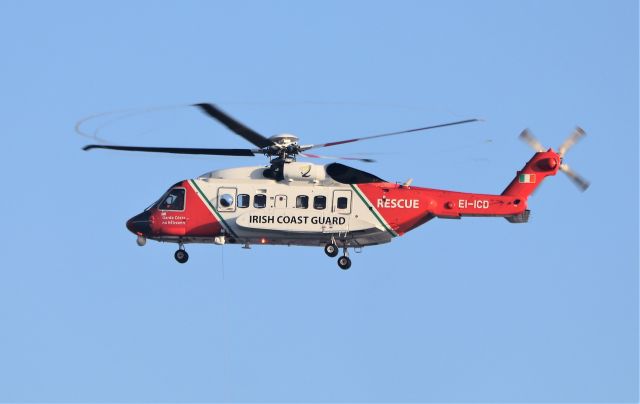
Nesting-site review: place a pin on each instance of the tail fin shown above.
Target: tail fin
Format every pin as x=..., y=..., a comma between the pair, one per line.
x=541, y=165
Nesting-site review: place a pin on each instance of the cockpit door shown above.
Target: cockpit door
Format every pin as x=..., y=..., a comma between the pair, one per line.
x=226, y=201
x=341, y=202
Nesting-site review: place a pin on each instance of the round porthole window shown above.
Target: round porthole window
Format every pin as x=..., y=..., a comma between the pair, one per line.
x=226, y=200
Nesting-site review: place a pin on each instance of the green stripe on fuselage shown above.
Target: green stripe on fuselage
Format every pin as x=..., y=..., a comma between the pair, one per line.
x=215, y=211
x=373, y=210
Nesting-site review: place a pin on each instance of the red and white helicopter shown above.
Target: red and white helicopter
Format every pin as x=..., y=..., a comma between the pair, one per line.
x=332, y=205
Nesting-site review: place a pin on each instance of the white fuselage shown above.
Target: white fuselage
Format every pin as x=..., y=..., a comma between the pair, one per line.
x=306, y=207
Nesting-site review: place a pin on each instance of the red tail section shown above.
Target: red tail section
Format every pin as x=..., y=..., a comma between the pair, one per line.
x=541, y=165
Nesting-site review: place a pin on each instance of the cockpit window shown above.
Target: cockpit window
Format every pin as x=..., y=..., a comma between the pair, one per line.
x=173, y=200
x=153, y=205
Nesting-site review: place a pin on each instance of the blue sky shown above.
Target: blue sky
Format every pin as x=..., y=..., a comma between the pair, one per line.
x=469, y=310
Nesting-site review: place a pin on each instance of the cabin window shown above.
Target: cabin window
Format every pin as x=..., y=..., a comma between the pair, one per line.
x=302, y=202
x=260, y=201
x=226, y=200
x=342, y=203
x=319, y=202
x=243, y=200
x=174, y=200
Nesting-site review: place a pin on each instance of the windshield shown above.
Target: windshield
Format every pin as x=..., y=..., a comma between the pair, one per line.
x=168, y=197
x=174, y=200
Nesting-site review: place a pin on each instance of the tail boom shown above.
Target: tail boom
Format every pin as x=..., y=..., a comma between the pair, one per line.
x=541, y=165
x=405, y=207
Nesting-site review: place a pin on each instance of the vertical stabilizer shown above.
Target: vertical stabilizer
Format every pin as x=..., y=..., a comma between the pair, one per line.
x=541, y=165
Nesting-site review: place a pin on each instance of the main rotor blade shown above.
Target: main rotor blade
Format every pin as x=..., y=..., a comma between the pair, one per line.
x=339, y=142
x=175, y=150
x=235, y=126
x=526, y=136
x=317, y=156
x=573, y=138
x=574, y=177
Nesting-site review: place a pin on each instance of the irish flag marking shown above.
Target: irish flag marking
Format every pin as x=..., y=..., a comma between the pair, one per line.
x=527, y=178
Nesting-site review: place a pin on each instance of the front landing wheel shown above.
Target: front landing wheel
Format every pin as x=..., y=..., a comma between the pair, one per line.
x=181, y=256
x=331, y=250
x=344, y=262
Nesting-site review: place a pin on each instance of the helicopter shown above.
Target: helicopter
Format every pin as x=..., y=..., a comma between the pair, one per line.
x=333, y=206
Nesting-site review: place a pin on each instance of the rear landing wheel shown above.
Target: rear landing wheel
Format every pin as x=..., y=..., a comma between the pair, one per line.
x=331, y=250
x=344, y=262
x=181, y=256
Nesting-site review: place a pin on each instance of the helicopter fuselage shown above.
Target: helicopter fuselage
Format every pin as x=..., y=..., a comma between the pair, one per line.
x=313, y=205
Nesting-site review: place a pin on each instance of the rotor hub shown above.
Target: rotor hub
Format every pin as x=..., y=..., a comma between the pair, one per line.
x=284, y=139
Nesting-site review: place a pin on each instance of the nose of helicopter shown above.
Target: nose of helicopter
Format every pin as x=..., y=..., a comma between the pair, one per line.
x=140, y=224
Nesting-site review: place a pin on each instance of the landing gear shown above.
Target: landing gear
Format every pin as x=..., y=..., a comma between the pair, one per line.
x=331, y=250
x=181, y=255
x=344, y=262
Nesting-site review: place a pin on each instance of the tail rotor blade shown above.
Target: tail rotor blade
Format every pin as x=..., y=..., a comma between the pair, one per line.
x=527, y=137
x=573, y=138
x=574, y=177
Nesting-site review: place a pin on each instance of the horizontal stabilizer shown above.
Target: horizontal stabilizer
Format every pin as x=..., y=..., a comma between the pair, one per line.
x=520, y=218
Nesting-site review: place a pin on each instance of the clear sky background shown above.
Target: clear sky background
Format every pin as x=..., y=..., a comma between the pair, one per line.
x=469, y=310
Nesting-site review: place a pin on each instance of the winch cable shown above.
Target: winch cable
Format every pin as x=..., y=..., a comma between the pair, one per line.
x=225, y=334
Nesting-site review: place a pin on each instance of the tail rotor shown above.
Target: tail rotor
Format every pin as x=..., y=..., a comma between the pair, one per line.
x=573, y=176
x=528, y=138
x=573, y=138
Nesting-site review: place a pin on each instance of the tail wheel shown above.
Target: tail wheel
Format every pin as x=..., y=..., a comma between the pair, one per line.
x=181, y=256
x=331, y=250
x=344, y=262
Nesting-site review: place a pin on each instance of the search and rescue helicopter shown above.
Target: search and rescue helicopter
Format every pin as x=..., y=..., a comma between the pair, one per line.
x=333, y=205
